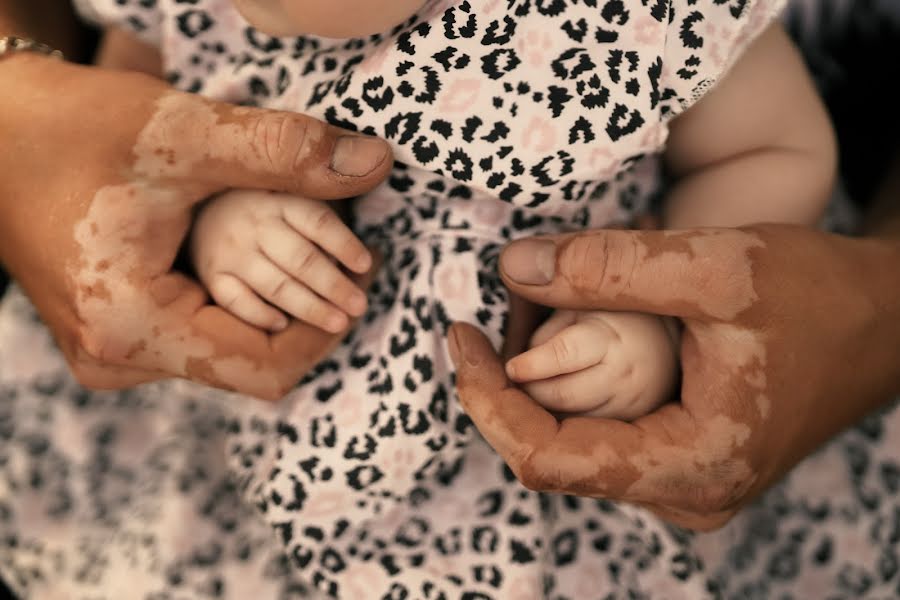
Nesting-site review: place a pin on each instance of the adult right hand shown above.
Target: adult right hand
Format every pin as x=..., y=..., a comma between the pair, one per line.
x=790, y=336
x=96, y=198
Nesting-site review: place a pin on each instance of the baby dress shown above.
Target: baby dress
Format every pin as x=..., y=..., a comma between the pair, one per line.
x=508, y=118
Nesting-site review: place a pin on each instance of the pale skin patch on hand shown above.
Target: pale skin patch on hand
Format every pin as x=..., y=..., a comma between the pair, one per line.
x=154, y=154
x=233, y=368
x=743, y=352
x=710, y=459
x=720, y=289
x=109, y=262
x=731, y=280
x=673, y=472
x=596, y=472
x=96, y=291
x=204, y=134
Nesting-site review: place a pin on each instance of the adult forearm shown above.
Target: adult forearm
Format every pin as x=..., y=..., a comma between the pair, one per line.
x=883, y=230
x=52, y=22
x=877, y=259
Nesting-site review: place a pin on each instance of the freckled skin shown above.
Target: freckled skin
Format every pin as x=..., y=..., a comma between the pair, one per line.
x=94, y=244
x=766, y=377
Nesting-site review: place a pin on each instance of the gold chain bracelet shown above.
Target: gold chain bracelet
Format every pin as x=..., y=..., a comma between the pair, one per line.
x=12, y=44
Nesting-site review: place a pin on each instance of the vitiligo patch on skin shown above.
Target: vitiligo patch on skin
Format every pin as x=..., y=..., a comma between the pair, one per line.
x=204, y=134
x=703, y=456
x=652, y=471
x=711, y=458
x=743, y=352
x=104, y=237
x=597, y=267
x=109, y=261
x=120, y=275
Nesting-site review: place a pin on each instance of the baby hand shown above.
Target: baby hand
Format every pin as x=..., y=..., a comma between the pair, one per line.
x=615, y=365
x=249, y=246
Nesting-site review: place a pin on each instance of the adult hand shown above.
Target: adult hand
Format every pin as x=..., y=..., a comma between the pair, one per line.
x=789, y=336
x=96, y=197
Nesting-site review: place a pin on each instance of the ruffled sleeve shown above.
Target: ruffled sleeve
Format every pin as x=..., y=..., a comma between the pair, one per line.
x=704, y=38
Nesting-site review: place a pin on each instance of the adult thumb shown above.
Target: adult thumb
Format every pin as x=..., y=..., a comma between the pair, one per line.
x=227, y=146
x=704, y=274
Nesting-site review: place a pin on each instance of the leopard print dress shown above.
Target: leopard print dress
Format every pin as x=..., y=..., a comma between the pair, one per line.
x=508, y=118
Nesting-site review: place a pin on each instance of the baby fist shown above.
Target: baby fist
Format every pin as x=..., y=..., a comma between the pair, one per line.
x=604, y=364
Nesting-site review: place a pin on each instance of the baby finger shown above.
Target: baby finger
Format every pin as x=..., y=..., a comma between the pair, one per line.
x=233, y=295
x=282, y=290
x=572, y=349
x=316, y=221
x=303, y=260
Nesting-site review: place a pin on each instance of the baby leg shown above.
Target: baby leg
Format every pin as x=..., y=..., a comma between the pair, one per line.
x=618, y=365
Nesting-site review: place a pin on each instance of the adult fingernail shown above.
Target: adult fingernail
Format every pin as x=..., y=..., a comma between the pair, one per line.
x=453, y=346
x=357, y=156
x=529, y=262
x=456, y=350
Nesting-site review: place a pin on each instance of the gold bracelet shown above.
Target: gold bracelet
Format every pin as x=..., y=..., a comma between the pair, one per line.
x=12, y=44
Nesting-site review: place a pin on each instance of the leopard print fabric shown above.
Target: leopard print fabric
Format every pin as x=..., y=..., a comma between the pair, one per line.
x=508, y=119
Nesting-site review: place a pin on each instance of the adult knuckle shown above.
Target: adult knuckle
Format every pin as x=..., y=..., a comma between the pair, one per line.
x=280, y=139
x=599, y=261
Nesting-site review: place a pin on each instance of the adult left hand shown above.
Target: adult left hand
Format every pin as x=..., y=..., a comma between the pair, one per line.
x=789, y=337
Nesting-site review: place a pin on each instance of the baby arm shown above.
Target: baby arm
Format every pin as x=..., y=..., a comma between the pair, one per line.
x=122, y=50
x=758, y=148
x=255, y=251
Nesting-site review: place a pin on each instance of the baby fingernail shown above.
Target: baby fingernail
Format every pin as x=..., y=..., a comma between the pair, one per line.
x=357, y=304
x=456, y=352
x=280, y=323
x=529, y=262
x=363, y=263
x=510, y=370
x=336, y=323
